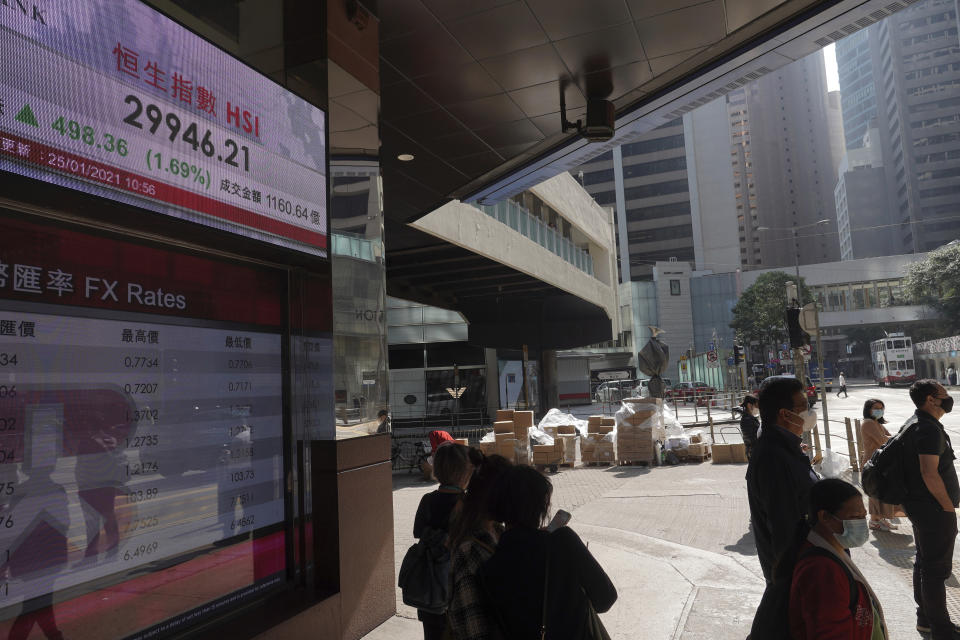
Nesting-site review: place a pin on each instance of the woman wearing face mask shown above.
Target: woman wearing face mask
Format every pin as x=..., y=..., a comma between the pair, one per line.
x=874, y=435
x=749, y=422
x=829, y=597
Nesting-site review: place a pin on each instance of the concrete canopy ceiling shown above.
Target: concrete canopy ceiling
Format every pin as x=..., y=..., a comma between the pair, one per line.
x=471, y=88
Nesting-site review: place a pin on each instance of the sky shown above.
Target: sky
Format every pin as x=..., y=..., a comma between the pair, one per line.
x=830, y=60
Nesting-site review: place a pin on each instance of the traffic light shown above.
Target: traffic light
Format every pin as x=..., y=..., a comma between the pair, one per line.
x=798, y=337
x=737, y=354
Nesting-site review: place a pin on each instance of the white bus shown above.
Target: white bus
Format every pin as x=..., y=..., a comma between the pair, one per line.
x=893, y=360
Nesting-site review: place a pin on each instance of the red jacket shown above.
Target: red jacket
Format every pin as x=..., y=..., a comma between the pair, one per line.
x=820, y=602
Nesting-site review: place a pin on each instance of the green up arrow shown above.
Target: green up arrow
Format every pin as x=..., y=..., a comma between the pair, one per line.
x=26, y=116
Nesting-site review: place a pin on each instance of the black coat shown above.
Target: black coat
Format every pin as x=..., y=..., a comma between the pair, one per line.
x=779, y=478
x=513, y=579
x=749, y=425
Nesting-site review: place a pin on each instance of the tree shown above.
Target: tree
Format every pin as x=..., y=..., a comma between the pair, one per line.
x=935, y=282
x=759, y=315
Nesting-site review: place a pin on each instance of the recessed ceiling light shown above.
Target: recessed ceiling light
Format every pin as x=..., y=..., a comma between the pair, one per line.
x=405, y=157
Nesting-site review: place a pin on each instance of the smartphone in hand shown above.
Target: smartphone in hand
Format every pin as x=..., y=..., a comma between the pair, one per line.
x=560, y=519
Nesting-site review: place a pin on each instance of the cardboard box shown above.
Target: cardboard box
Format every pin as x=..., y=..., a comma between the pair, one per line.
x=567, y=429
x=568, y=446
x=506, y=447
x=503, y=426
x=504, y=414
x=599, y=428
x=523, y=419
x=551, y=431
x=464, y=441
x=722, y=454
x=695, y=438
x=595, y=420
x=502, y=437
x=699, y=449
x=608, y=421
x=738, y=453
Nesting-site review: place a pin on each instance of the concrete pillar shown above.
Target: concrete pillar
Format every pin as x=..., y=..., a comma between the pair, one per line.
x=549, y=391
x=493, y=381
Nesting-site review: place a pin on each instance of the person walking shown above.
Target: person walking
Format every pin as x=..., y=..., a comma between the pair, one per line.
x=933, y=493
x=952, y=376
x=531, y=563
x=452, y=469
x=473, y=539
x=874, y=435
x=749, y=422
x=829, y=597
x=842, y=381
x=779, y=477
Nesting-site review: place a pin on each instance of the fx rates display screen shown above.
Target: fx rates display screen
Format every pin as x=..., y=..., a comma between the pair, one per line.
x=141, y=434
x=114, y=99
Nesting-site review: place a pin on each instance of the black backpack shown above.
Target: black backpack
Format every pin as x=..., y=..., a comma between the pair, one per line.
x=883, y=475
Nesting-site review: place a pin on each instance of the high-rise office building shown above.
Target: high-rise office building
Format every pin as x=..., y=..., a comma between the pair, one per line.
x=646, y=181
x=905, y=73
x=792, y=165
x=863, y=208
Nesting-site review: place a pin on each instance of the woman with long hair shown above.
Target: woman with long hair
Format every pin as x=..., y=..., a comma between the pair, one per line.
x=540, y=584
x=873, y=436
x=473, y=539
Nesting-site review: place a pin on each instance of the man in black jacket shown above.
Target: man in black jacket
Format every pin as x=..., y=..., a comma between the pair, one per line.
x=933, y=493
x=779, y=478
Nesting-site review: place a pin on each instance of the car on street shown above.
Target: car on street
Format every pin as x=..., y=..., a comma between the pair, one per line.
x=697, y=391
x=614, y=390
x=642, y=390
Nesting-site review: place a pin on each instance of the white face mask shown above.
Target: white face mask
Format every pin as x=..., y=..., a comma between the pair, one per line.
x=755, y=412
x=809, y=420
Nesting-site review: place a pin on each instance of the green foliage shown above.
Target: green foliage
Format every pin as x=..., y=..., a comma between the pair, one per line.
x=759, y=315
x=936, y=282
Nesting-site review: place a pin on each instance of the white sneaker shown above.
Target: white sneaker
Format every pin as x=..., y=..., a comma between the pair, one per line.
x=890, y=526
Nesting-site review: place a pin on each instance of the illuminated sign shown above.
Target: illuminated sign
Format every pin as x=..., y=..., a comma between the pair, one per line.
x=116, y=100
x=141, y=431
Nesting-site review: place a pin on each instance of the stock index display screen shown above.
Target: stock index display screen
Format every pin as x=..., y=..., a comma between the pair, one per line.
x=142, y=475
x=112, y=98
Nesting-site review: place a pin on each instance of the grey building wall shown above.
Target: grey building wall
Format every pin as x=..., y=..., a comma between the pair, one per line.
x=793, y=164
x=713, y=202
x=861, y=200
x=672, y=281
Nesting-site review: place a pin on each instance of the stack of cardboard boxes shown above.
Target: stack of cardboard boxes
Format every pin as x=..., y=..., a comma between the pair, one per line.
x=639, y=424
x=595, y=448
x=565, y=437
x=511, y=434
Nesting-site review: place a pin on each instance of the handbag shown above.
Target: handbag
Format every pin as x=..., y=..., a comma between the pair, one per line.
x=424, y=573
x=594, y=628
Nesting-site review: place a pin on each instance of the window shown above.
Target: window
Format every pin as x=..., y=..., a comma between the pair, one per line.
x=674, y=287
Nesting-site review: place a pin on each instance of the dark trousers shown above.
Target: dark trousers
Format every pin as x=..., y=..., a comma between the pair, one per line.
x=934, y=533
x=842, y=390
x=433, y=625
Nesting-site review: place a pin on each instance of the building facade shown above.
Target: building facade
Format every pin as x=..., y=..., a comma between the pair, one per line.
x=904, y=73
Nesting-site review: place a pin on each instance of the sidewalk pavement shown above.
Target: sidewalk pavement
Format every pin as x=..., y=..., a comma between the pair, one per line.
x=676, y=543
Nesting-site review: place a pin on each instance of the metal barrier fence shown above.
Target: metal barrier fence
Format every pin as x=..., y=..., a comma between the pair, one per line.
x=696, y=409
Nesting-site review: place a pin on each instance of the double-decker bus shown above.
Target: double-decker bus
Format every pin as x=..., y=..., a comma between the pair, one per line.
x=893, y=360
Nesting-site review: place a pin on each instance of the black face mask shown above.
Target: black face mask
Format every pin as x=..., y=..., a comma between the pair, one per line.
x=946, y=404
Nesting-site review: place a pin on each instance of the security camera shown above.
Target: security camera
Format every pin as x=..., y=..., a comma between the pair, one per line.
x=601, y=120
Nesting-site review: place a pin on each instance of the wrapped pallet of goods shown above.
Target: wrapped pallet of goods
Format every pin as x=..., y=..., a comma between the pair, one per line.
x=597, y=447
x=639, y=424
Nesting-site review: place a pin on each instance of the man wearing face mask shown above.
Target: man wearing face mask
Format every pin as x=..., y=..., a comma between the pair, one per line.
x=933, y=494
x=779, y=478
x=829, y=597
